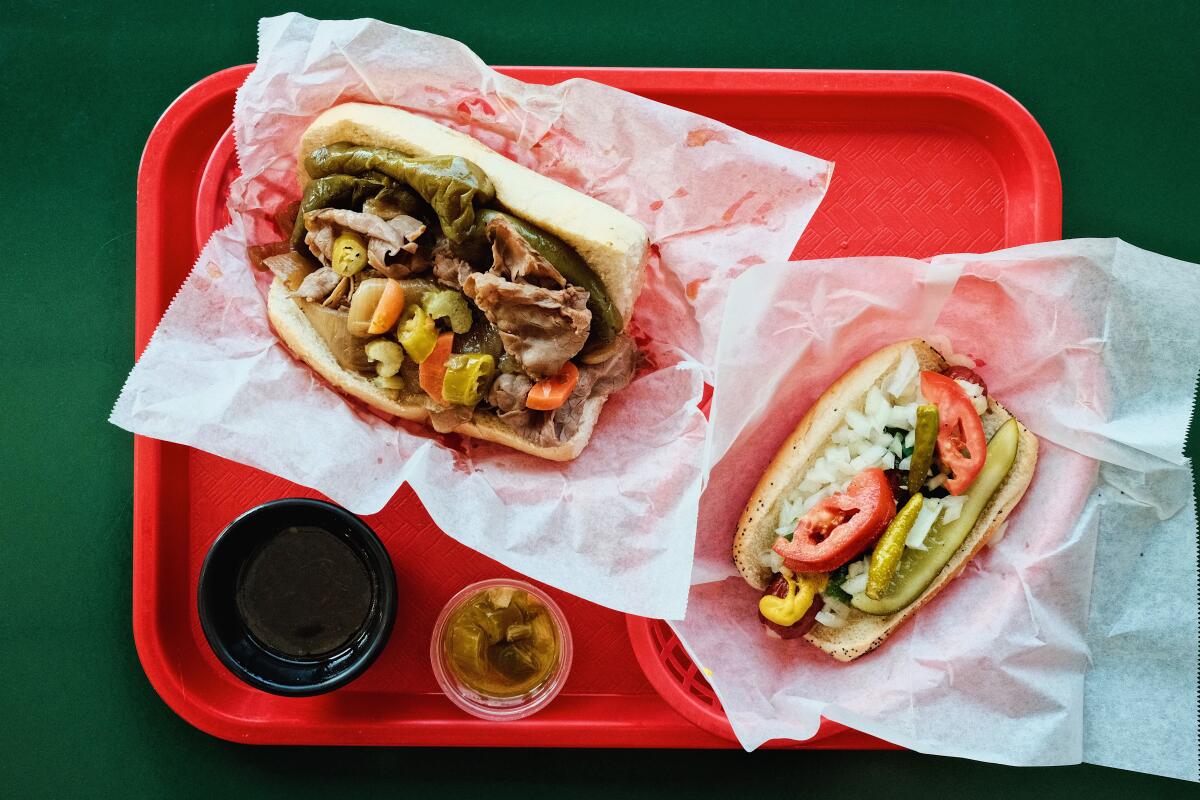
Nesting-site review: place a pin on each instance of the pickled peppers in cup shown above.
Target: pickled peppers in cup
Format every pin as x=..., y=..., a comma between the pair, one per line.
x=502, y=642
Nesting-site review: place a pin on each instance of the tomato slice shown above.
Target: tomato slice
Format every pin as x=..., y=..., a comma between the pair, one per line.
x=961, y=445
x=840, y=526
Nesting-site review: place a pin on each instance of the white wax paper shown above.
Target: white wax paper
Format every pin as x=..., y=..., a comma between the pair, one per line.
x=617, y=525
x=1093, y=344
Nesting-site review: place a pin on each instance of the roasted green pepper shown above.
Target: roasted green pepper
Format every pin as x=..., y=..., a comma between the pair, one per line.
x=452, y=185
x=351, y=191
x=467, y=376
x=918, y=568
x=606, y=321
x=886, y=556
x=923, y=445
x=417, y=333
x=483, y=337
x=450, y=305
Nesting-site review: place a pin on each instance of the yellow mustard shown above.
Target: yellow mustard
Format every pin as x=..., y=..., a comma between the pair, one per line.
x=788, y=610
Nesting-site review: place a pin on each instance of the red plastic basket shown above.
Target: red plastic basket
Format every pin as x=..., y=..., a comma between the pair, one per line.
x=926, y=163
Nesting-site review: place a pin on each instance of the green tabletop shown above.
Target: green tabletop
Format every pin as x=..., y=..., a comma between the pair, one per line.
x=1117, y=92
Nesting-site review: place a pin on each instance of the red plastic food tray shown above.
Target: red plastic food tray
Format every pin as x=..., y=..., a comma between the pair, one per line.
x=926, y=163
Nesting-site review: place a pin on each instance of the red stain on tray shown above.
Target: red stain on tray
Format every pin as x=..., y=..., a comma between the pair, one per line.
x=680, y=192
x=693, y=287
x=702, y=136
x=656, y=205
x=750, y=261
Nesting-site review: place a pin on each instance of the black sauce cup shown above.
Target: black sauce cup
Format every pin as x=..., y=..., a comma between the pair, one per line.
x=234, y=644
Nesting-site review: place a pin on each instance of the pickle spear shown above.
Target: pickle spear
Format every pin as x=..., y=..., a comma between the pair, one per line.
x=918, y=568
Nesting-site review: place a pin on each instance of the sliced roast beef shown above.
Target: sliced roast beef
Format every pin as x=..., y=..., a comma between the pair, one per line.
x=318, y=285
x=385, y=238
x=615, y=372
x=541, y=327
x=514, y=258
x=550, y=428
x=448, y=268
x=508, y=394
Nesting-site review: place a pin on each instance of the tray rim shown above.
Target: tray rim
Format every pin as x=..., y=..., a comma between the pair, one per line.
x=1035, y=151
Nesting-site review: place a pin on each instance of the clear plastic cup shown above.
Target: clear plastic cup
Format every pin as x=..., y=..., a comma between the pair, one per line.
x=500, y=708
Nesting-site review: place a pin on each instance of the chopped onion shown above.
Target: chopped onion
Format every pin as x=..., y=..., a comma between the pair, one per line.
x=842, y=435
x=875, y=401
x=980, y=403
x=904, y=417
x=834, y=614
x=904, y=376
x=910, y=439
x=788, y=515
x=930, y=509
x=878, y=409
x=816, y=498
x=828, y=618
x=897, y=447
x=870, y=458
x=905, y=463
x=857, y=568
x=771, y=560
x=936, y=481
x=808, y=486
x=858, y=422
x=889, y=460
x=999, y=534
x=855, y=585
x=952, y=507
x=972, y=389
x=821, y=472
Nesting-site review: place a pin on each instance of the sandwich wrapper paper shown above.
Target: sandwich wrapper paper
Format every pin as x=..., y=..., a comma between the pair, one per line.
x=1074, y=637
x=617, y=525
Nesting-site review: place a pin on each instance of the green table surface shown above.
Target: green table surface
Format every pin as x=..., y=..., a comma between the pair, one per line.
x=1117, y=91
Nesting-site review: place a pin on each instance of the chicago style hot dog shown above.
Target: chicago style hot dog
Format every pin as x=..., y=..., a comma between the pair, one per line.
x=438, y=281
x=888, y=486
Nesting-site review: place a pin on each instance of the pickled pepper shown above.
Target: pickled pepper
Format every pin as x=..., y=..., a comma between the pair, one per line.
x=923, y=447
x=890, y=547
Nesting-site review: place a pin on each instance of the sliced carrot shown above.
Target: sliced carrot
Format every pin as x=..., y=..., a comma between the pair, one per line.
x=433, y=369
x=387, y=312
x=549, y=394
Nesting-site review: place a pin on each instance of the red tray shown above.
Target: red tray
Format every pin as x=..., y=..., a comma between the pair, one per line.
x=926, y=163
